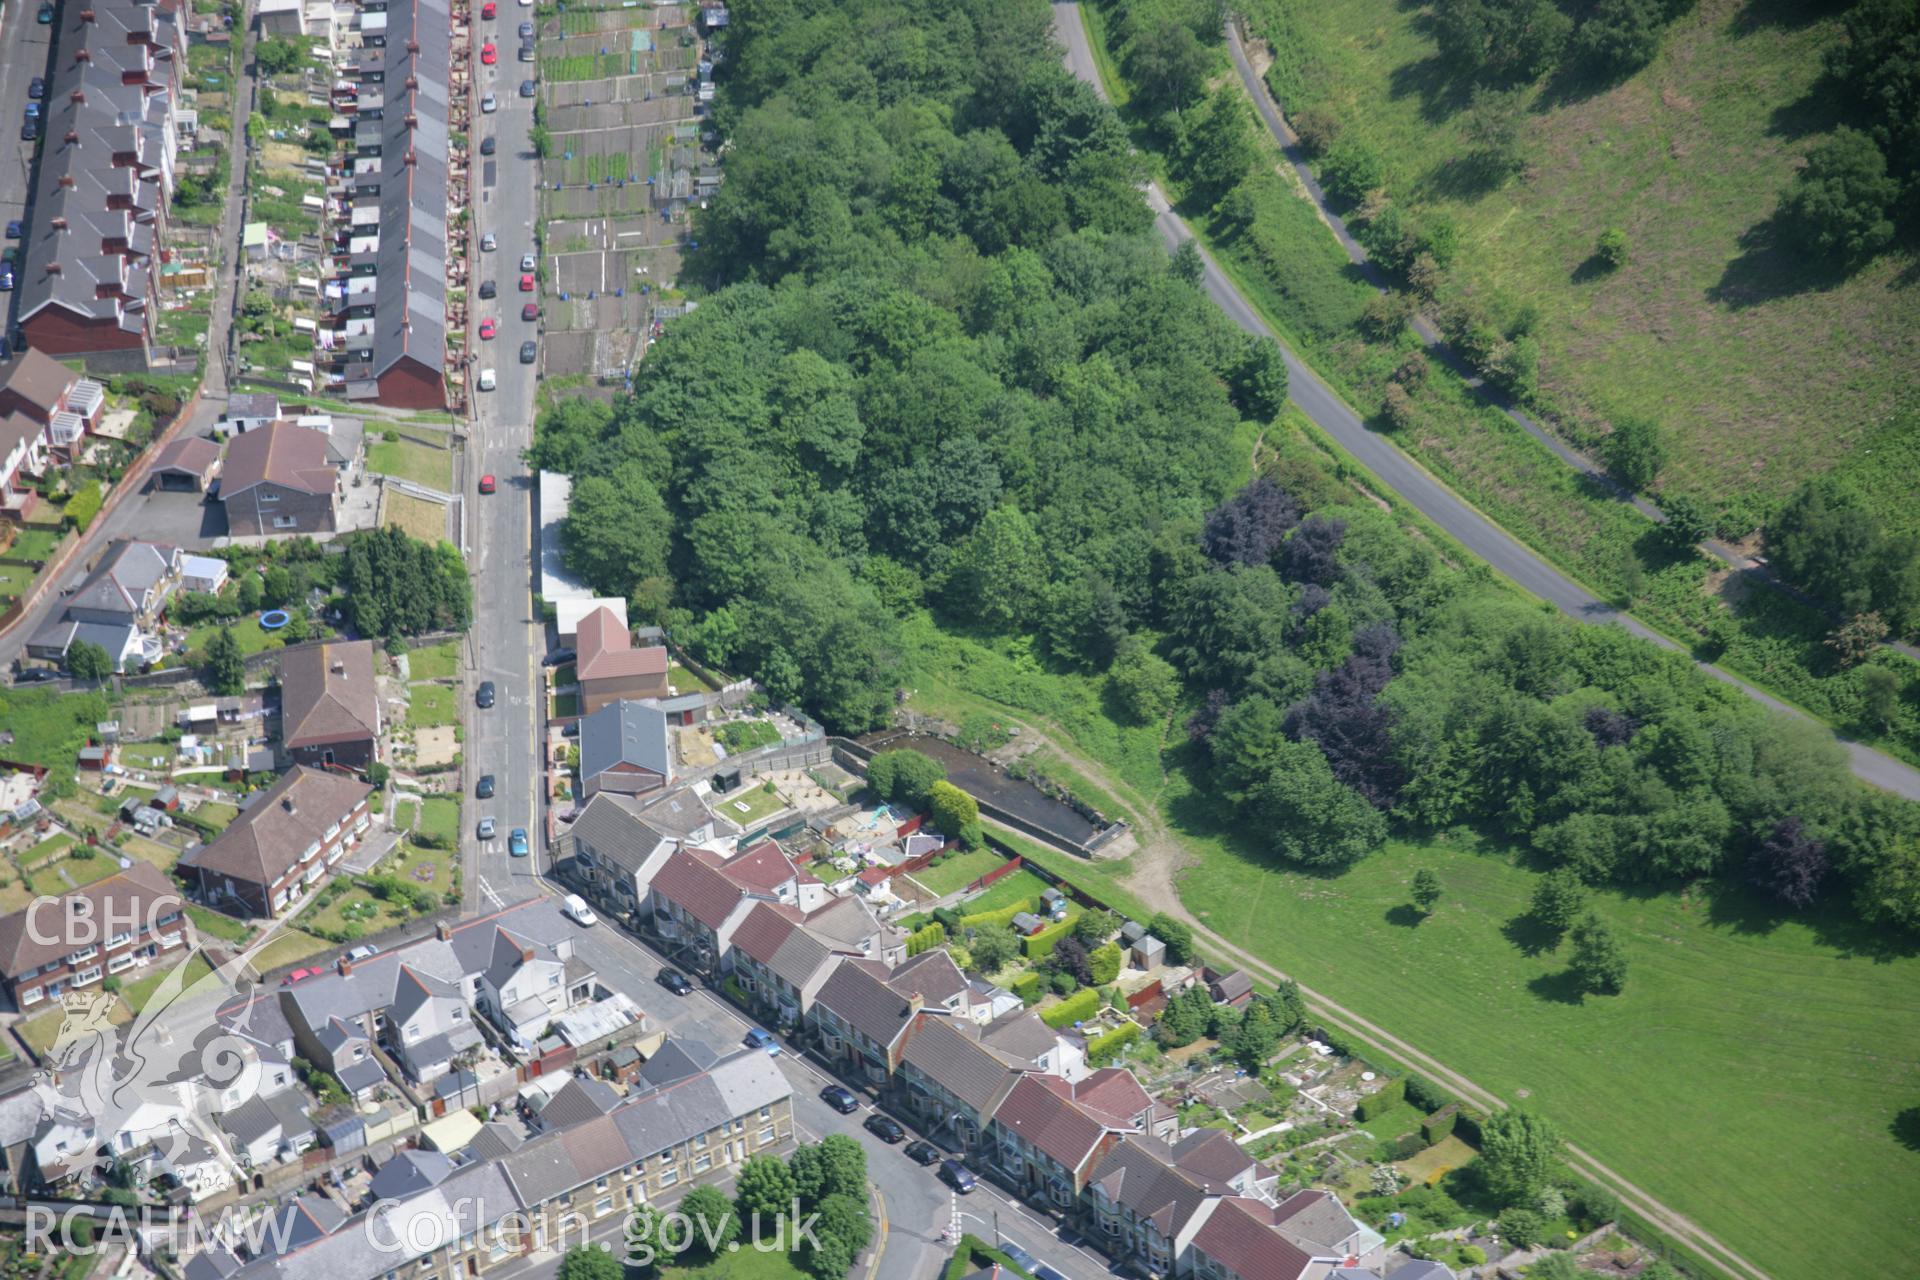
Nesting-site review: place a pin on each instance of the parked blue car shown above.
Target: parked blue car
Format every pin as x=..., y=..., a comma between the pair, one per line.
x=760, y=1039
x=517, y=842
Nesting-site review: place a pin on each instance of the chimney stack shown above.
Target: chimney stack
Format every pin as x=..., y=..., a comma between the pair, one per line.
x=53, y=268
x=287, y=804
x=345, y=965
x=443, y=931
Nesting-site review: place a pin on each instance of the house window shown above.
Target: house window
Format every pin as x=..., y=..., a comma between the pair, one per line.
x=271, y=496
x=766, y=1113
x=31, y=997
x=285, y=522
x=669, y=1176
x=412, y=1032
x=766, y=1134
x=87, y=975
x=600, y=1184
x=703, y=1162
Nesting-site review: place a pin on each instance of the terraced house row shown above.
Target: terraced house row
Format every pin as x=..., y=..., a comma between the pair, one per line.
x=387, y=299
x=88, y=278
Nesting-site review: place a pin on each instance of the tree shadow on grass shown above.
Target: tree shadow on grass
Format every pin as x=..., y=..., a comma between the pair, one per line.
x=1739, y=907
x=1783, y=15
x=1906, y=1129
x=1406, y=916
x=1442, y=93
x=1770, y=267
x=1594, y=268
x=1530, y=935
x=1559, y=988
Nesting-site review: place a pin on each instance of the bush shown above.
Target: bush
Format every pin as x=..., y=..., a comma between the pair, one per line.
x=1063, y=983
x=1078, y=1007
x=1105, y=962
x=926, y=939
x=1351, y=169
x=1103, y=1049
x=1612, y=248
x=1838, y=207
x=1385, y=1099
x=84, y=505
x=1027, y=987
x=1409, y=1145
x=1317, y=128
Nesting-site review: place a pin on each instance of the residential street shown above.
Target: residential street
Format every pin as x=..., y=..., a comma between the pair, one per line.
x=508, y=640
x=1413, y=483
x=916, y=1205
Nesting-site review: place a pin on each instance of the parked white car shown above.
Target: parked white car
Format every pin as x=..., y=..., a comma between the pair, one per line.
x=487, y=381
x=577, y=910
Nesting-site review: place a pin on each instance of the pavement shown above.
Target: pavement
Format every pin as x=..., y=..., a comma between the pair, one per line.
x=1419, y=488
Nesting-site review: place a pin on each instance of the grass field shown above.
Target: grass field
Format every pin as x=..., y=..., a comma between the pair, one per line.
x=136, y=994
x=434, y=662
x=959, y=871
x=426, y=466
x=290, y=947
x=415, y=517
x=1779, y=1049
x=30, y=543
x=440, y=816
x=212, y=922
x=1688, y=156
x=430, y=705
x=48, y=728
x=70, y=873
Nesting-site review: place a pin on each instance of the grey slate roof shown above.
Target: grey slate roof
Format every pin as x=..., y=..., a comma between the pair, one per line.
x=357, y=1077
x=1138, y=1173
x=857, y=991
x=409, y=1173
x=494, y=1140
x=946, y=1055
x=624, y=732
x=582, y=1099
x=677, y=1059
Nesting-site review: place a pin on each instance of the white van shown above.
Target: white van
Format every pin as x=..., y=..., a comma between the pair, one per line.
x=575, y=908
x=487, y=382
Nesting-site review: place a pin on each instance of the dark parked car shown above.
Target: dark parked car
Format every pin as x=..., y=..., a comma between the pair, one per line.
x=16, y=229
x=526, y=88
x=488, y=146
x=526, y=31
x=840, y=1098
x=28, y=133
x=6, y=275
x=923, y=1152
x=484, y=697
x=957, y=1176
x=485, y=788
x=885, y=1128
x=1021, y=1258
x=45, y=16
x=526, y=52
x=559, y=657
x=1045, y=1272
x=676, y=982
x=37, y=87
x=528, y=352
x=488, y=289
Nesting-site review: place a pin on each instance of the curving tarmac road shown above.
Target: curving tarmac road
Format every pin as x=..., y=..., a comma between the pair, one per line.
x=1418, y=487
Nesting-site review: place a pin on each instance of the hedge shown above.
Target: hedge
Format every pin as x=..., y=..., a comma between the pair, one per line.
x=926, y=938
x=1027, y=987
x=1440, y=1124
x=1004, y=915
x=1077, y=1007
x=1408, y=1145
x=1103, y=1049
x=1467, y=1125
x=1037, y=947
x=84, y=505
x=1389, y=1096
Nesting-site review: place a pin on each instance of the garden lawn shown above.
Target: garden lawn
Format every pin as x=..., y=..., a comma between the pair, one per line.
x=216, y=813
x=749, y=806
x=684, y=681
x=431, y=705
x=151, y=852
x=436, y=870
x=1438, y=1160
x=50, y=728
x=959, y=871
x=425, y=466
x=747, y=1263
x=136, y=994
x=440, y=816
x=78, y=871
x=1019, y=886
x=1779, y=1049
x=566, y=705
x=247, y=630
x=152, y=756
x=435, y=661
x=355, y=906
x=224, y=927
x=420, y=518
x=290, y=947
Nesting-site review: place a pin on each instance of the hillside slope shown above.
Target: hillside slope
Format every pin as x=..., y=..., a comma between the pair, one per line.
x=1763, y=371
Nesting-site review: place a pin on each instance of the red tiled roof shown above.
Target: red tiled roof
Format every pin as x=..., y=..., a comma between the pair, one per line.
x=1114, y=1095
x=1050, y=1122
x=280, y=453
x=698, y=889
x=604, y=649
x=1239, y=1235
x=762, y=931
x=761, y=869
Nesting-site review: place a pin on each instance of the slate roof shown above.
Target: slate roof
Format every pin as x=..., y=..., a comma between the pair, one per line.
x=1138, y=1173
x=932, y=975
x=1238, y=1234
x=1114, y=1095
x=494, y=1140
x=358, y=1077
x=124, y=575
x=409, y=1173
x=319, y=705
x=857, y=991
x=1020, y=1037
x=1211, y=1155
x=270, y=836
x=1314, y=1220
x=280, y=454
x=761, y=869
x=772, y=936
x=944, y=1054
x=140, y=892
x=624, y=732
x=582, y=1099
x=848, y=923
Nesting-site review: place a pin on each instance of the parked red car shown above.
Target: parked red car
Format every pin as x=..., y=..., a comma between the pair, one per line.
x=488, y=328
x=487, y=10
x=526, y=282
x=300, y=975
x=530, y=312
x=486, y=484
x=489, y=54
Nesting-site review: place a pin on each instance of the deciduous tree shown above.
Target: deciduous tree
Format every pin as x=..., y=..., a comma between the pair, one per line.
x=1520, y=1152
x=1597, y=963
